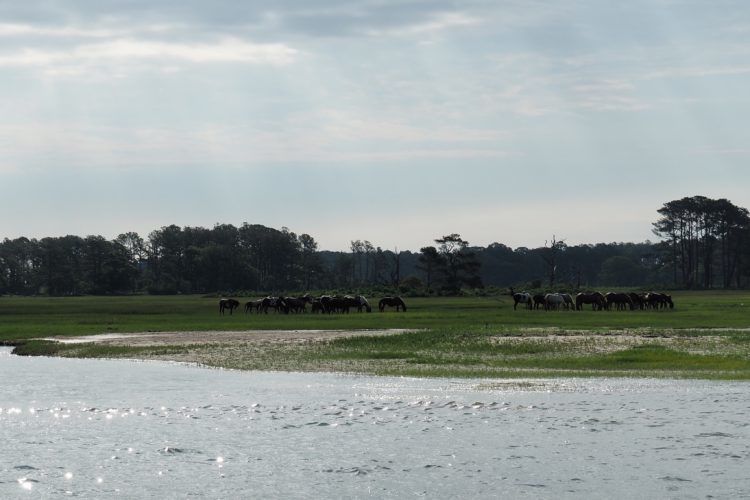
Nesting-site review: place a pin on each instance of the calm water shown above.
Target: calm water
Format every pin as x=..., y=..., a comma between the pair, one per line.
x=94, y=429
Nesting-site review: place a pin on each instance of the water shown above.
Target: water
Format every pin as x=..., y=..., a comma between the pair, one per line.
x=96, y=429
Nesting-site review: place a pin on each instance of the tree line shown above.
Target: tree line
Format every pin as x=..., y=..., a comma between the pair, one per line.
x=703, y=243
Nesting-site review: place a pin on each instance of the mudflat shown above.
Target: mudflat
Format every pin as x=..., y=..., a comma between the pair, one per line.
x=137, y=339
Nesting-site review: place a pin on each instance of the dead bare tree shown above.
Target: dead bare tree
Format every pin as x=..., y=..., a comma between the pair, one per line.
x=550, y=254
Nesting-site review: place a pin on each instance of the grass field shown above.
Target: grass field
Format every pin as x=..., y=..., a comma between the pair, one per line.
x=707, y=335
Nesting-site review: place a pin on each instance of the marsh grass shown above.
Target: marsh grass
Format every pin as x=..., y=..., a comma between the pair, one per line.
x=94, y=350
x=484, y=353
x=29, y=317
x=707, y=335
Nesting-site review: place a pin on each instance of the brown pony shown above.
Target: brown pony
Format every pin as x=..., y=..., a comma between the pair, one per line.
x=621, y=301
x=539, y=301
x=596, y=299
x=396, y=302
x=656, y=300
x=253, y=305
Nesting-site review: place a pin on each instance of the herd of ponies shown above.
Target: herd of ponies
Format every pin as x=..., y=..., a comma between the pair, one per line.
x=325, y=304
x=329, y=304
x=599, y=301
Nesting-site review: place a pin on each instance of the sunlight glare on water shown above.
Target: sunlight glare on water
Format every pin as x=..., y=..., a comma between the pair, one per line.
x=97, y=428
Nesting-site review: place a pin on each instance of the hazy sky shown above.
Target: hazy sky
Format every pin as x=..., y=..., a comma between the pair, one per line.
x=392, y=121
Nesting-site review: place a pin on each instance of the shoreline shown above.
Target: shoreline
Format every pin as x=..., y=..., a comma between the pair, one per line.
x=522, y=353
x=197, y=337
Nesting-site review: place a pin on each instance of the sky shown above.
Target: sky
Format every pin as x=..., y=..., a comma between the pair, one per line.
x=396, y=122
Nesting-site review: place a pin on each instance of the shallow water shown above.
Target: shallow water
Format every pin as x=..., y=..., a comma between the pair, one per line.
x=98, y=428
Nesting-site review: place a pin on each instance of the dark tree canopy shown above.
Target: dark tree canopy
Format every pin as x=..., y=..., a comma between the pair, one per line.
x=703, y=243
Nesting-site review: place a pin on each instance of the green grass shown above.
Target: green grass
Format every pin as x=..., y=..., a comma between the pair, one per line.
x=479, y=354
x=91, y=350
x=23, y=317
x=704, y=336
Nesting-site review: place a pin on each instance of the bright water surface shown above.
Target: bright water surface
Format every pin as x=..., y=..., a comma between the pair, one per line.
x=98, y=428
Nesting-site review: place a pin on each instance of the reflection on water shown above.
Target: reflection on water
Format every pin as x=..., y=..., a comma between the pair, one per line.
x=94, y=428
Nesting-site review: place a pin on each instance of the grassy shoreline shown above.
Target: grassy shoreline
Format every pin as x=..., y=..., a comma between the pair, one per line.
x=707, y=336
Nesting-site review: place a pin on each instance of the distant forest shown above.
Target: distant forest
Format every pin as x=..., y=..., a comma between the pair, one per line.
x=703, y=243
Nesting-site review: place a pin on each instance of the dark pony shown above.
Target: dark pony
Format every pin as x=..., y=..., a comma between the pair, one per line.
x=639, y=300
x=275, y=303
x=396, y=302
x=596, y=299
x=253, y=305
x=621, y=301
x=298, y=304
x=230, y=304
x=539, y=301
x=656, y=300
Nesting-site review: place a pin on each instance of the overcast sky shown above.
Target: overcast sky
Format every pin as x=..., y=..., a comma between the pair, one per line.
x=392, y=121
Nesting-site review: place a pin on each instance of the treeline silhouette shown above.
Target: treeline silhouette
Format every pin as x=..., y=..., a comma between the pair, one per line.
x=706, y=244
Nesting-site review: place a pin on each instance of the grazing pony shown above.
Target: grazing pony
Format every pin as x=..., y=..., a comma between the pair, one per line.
x=539, y=301
x=522, y=298
x=297, y=304
x=656, y=300
x=317, y=306
x=396, y=302
x=329, y=304
x=553, y=301
x=362, y=304
x=230, y=304
x=621, y=301
x=567, y=301
x=639, y=300
x=253, y=304
x=275, y=303
x=596, y=299
x=336, y=304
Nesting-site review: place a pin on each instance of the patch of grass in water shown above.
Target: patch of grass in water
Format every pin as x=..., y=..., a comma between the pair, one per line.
x=453, y=354
x=741, y=338
x=93, y=350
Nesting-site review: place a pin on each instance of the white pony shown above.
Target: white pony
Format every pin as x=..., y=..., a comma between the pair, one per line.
x=522, y=298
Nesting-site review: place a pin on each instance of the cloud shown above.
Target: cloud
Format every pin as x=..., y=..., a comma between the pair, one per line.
x=438, y=22
x=27, y=30
x=724, y=152
x=337, y=138
x=697, y=71
x=226, y=50
x=286, y=17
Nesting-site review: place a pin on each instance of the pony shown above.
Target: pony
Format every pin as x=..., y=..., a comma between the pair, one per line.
x=275, y=303
x=553, y=301
x=327, y=304
x=596, y=299
x=253, y=304
x=362, y=304
x=396, y=302
x=521, y=298
x=317, y=306
x=638, y=299
x=539, y=301
x=656, y=300
x=230, y=304
x=342, y=304
x=621, y=301
x=298, y=304
x=567, y=301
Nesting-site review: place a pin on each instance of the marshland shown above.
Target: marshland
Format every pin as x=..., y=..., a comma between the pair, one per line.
x=706, y=335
